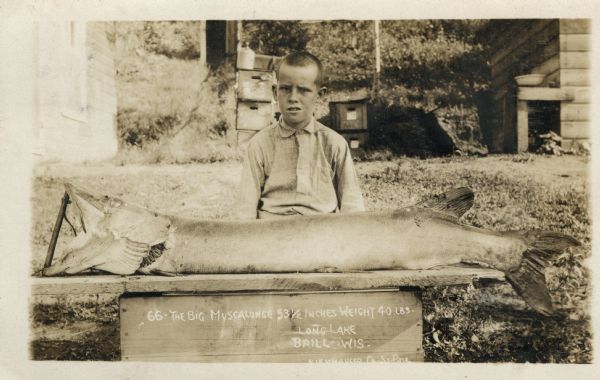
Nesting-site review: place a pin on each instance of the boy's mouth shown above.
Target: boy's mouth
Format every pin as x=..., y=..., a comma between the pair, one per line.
x=293, y=109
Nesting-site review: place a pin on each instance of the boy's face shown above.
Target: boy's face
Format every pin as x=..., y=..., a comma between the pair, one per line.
x=297, y=93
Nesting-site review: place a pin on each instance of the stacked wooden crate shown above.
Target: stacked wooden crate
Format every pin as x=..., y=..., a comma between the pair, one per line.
x=349, y=118
x=255, y=101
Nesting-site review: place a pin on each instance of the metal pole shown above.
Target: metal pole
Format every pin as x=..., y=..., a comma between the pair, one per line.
x=239, y=32
x=377, y=60
x=56, y=231
x=203, y=44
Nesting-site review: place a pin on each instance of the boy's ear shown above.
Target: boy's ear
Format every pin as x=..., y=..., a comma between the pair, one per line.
x=323, y=91
x=274, y=87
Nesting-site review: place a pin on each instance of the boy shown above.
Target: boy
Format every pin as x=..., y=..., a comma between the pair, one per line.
x=297, y=166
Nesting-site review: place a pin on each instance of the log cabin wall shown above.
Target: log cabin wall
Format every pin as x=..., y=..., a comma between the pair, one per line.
x=518, y=47
x=574, y=75
x=560, y=49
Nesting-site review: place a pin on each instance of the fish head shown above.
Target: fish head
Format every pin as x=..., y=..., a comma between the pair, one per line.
x=117, y=237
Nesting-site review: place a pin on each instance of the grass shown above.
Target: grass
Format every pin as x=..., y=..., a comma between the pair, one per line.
x=170, y=110
x=474, y=324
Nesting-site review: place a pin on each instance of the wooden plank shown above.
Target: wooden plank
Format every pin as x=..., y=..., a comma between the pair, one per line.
x=101, y=86
x=506, y=76
x=574, y=60
x=549, y=66
x=575, y=26
x=101, y=48
x=104, y=50
x=509, y=125
x=522, y=126
x=103, y=105
x=255, y=86
x=567, y=143
x=355, y=139
x=98, y=38
x=552, y=79
x=574, y=112
x=105, y=95
x=521, y=38
x=575, y=129
x=579, y=94
x=104, y=71
x=545, y=47
x=574, y=42
x=104, y=76
x=102, y=81
x=544, y=93
x=230, y=37
x=254, y=116
x=503, y=83
x=98, y=26
x=288, y=327
x=500, y=31
x=202, y=38
x=349, y=116
x=453, y=275
x=574, y=77
x=78, y=285
x=500, y=93
x=101, y=60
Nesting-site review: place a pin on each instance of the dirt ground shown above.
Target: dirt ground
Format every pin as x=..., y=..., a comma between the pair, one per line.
x=505, y=187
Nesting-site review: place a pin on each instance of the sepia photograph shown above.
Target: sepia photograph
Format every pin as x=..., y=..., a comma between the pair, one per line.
x=311, y=190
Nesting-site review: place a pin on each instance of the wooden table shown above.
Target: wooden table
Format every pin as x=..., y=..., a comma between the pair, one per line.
x=283, y=317
x=525, y=94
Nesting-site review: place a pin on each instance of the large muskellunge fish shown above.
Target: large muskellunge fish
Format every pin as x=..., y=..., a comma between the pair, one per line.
x=123, y=239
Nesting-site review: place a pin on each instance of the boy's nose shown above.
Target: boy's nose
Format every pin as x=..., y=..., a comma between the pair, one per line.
x=293, y=94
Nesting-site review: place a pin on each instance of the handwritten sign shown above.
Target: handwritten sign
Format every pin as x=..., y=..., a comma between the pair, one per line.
x=360, y=326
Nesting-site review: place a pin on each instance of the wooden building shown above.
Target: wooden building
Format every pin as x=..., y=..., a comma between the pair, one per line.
x=557, y=48
x=221, y=39
x=75, y=104
x=76, y=101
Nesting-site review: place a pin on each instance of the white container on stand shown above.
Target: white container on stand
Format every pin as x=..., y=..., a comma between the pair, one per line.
x=245, y=58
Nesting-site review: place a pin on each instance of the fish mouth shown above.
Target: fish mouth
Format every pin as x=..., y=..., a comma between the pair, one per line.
x=90, y=207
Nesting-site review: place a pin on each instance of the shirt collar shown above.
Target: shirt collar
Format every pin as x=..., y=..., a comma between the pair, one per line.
x=287, y=131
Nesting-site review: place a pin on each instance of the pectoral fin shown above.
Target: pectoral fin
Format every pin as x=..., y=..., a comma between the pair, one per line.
x=119, y=256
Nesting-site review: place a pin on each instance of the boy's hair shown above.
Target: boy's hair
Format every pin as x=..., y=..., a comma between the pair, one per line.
x=302, y=59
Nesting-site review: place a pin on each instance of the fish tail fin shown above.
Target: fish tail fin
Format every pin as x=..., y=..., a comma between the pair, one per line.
x=528, y=278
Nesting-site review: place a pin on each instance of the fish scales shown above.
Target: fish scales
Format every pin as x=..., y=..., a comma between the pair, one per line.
x=371, y=240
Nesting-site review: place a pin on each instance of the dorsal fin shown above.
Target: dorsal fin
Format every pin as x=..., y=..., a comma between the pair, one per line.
x=454, y=202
